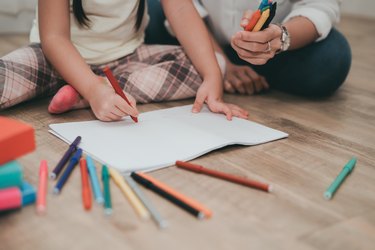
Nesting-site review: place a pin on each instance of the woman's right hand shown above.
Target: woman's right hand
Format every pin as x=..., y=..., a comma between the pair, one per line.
x=243, y=79
x=107, y=105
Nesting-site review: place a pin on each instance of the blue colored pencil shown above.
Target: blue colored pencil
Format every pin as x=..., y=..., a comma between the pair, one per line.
x=99, y=198
x=69, y=169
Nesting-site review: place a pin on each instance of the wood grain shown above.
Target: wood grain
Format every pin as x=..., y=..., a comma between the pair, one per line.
x=324, y=135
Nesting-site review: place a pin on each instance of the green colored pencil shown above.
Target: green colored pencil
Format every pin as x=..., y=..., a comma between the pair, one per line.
x=328, y=194
x=106, y=190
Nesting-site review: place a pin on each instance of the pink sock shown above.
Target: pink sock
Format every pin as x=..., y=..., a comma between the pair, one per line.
x=67, y=98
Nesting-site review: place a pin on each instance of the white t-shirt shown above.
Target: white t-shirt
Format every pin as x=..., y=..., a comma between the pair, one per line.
x=112, y=33
x=224, y=16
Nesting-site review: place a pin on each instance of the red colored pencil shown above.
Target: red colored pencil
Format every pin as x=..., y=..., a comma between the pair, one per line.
x=224, y=176
x=86, y=191
x=117, y=88
x=253, y=20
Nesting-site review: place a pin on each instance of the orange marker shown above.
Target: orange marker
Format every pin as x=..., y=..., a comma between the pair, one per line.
x=224, y=176
x=117, y=88
x=253, y=20
x=194, y=204
x=86, y=191
x=42, y=188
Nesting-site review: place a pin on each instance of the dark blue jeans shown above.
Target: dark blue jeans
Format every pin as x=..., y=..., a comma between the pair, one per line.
x=316, y=70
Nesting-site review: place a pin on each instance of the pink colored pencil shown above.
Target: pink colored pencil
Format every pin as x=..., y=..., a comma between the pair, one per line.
x=42, y=188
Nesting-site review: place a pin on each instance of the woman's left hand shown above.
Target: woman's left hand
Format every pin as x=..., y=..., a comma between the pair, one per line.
x=257, y=47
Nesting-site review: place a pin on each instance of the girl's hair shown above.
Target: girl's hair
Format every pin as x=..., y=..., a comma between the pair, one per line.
x=83, y=20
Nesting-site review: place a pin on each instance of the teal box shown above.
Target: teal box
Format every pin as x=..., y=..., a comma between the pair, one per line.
x=11, y=175
x=28, y=194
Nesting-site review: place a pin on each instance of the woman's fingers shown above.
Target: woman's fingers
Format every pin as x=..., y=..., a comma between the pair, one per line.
x=228, y=87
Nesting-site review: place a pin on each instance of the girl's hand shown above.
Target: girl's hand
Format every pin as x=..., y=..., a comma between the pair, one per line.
x=256, y=47
x=107, y=105
x=211, y=94
x=243, y=80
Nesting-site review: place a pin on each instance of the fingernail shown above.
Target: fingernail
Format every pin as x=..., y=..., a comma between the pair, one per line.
x=244, y=22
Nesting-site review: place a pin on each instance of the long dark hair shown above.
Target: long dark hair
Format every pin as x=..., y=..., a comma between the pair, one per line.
x=84, y=21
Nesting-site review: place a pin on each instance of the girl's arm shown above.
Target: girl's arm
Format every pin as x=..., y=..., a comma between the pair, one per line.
x=194, y=37
x=54, y=28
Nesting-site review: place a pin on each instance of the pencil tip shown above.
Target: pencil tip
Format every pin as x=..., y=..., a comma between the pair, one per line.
x=201, y=216
x=327, y=196
x=108, y=211
x=56, y=191
x=52, y=176
x=163, y=225
x=99, y=200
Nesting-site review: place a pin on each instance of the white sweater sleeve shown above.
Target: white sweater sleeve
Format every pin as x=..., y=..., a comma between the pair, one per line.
x=322, y=13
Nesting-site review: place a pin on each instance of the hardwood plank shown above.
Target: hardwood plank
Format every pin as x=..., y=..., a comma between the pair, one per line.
x=353, y=233
x=323, y=135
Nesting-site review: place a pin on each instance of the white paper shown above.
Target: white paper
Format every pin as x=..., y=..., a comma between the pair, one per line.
x=161, y=137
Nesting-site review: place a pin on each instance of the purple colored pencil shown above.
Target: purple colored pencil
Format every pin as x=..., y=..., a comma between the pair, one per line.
x=72, y=148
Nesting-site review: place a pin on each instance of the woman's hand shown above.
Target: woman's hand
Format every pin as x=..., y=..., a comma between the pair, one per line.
x=243, y=79
x=211, y=94
x=107, y=105
x=256, y=47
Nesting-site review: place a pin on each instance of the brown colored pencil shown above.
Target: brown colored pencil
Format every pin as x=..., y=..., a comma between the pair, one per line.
x=224, y=176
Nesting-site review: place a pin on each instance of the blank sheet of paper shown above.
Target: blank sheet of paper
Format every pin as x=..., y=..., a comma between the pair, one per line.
x=161, y=137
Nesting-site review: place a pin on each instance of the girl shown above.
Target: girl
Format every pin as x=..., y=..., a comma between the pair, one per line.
x=72, y=41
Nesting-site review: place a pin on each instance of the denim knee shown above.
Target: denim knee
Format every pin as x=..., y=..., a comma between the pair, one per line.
x=316, y=70
x=332, y=69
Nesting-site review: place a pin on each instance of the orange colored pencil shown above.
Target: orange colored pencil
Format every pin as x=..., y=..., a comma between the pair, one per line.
x=224, y=176
x=207, y=212
x=263, y=18
x=253, y=20
x=86, y=191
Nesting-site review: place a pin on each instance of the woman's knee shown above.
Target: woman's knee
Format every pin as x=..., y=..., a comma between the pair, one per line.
x=335, y=66
x=315, y=71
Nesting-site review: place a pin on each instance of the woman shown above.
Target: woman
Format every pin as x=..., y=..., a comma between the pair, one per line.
x=312, y=60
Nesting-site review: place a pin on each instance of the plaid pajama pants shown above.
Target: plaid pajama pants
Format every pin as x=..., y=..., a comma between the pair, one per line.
x=153, y=73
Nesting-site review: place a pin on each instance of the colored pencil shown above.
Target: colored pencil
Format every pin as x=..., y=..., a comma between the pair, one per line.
x=106, y=191
x=42, y=188
x=179, y=199
x=150, y=207
x=224, y=176
x=117, y=88
x=129, y=194
x=69, y=169
x=94, y=180
x=72, y=148
x=86, y=191
x=347, y=169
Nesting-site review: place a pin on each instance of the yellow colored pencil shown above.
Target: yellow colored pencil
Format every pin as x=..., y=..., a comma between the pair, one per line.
x=263, y=18
x=129, y=194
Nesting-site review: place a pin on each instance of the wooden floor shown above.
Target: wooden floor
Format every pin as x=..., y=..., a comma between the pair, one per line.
x=324, y=135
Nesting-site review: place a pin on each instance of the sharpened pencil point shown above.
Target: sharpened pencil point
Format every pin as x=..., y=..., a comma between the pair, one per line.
x=56, y=191
x=201, y=216
x=108, y=211
x=327, y=196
